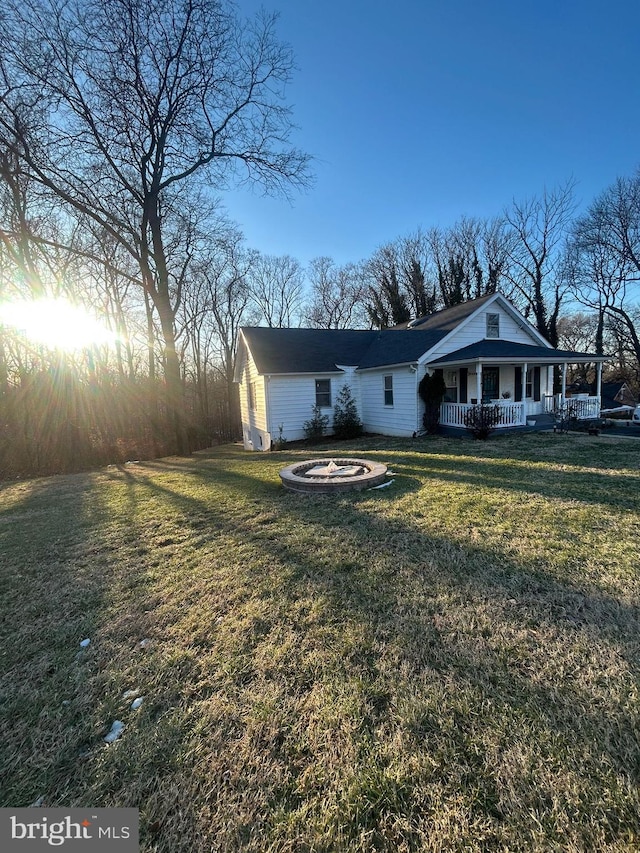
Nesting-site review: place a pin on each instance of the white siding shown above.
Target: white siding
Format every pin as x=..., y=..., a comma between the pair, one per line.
x=255, y=434
x=476, y=330
x=292, y=398
x=400, y=419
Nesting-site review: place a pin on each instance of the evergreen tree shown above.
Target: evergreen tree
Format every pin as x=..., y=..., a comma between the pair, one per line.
x=432, y=389
x=346, y=421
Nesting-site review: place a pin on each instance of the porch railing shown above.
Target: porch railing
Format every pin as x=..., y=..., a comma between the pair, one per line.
x=515, y=414
x=581, y=407
x=510, y=414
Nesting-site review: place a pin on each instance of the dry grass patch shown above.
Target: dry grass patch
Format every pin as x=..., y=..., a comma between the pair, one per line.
x=447, y=664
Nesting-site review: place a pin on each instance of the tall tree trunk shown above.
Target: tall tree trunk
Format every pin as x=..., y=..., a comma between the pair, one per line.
x=161, y=296
x=151, y=337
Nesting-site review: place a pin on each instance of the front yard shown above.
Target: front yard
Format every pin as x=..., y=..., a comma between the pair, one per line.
x=447, y=664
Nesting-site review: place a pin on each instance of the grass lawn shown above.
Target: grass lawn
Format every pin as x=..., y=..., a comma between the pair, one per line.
x=448, y=664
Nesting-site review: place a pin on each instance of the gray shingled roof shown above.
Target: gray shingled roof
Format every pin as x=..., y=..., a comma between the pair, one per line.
x=494, y=349
x=393, y=346
x=322, y=350
x=448, y=318
x=306, y=350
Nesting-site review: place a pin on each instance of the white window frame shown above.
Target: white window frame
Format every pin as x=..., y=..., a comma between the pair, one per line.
x=493, y=325
x=388, y=389
x=322, y=394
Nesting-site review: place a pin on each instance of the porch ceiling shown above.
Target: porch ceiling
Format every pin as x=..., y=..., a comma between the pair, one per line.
x=510, y=352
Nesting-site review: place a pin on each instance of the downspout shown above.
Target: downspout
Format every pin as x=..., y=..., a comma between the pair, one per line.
x=267, y=403
x=414, y=369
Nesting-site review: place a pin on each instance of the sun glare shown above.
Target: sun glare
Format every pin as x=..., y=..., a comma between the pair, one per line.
x=56, y=323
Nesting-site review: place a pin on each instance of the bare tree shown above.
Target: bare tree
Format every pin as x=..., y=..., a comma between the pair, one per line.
x=625, y=363
x=602, y=265
x=486, y=244
x=113, y=105
x=468, y=260
x=277, y=289
x=578, y=331
x=228, y=303
x=337, y=295
x=389, y=301
x=538, y=227
x=451, y=270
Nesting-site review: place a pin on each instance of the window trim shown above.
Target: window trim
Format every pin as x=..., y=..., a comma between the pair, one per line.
x=323, y=394
x=493, y=325
x=493, y=371
x=387, y=388
x=451, y=386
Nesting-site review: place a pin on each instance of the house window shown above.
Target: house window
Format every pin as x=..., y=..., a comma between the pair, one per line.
x=493, y=325
x=451, y=386
x=323, y=393
x=490, y=383
x=388, y=390
x=528, y=387
x=252, y=396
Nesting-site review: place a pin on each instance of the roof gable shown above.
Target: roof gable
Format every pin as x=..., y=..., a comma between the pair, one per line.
x=448, y=318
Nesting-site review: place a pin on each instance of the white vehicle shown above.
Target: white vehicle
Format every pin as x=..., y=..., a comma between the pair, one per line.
x=635, y=418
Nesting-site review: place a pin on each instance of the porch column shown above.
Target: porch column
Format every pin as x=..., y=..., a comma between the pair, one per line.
x=479, y=383
x=523, y=395
x=599, y=383
x=563, y=400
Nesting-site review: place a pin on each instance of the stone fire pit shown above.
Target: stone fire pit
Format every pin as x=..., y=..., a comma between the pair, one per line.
x=325, y=476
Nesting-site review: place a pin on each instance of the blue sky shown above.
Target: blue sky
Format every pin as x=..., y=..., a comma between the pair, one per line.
x=420, y=112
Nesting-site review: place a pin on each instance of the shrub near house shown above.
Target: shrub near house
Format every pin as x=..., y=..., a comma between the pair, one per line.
x=346, y=421
x=481, y=420
x=432, y=390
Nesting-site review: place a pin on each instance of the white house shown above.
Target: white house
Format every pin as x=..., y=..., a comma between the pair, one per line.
x=485, y=349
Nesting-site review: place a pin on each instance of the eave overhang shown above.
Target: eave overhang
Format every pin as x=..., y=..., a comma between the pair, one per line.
x=510, y=352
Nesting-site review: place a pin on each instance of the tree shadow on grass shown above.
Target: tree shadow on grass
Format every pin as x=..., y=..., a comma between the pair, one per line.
x=489, y=636
x=339, y=514
x=53, y=580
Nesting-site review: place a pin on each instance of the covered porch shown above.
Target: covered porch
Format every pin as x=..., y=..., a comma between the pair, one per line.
x=518, y=380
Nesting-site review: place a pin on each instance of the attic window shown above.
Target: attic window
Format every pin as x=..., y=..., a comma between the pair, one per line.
x=493, y=325
x=323, y=393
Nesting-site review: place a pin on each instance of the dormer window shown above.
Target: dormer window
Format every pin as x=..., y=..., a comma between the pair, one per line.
x=493, y=325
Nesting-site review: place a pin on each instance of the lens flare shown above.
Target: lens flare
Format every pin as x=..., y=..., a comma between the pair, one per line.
x=55, y=323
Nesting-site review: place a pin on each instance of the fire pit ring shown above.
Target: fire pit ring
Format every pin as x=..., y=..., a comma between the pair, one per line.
x=327, y=476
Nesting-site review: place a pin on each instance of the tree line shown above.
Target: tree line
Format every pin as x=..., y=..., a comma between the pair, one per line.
x=119, y=121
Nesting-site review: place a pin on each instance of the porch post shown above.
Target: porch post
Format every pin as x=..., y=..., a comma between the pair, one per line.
x=479, y=383
x=523, y=395
x=563, y=400
x=599, y=383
